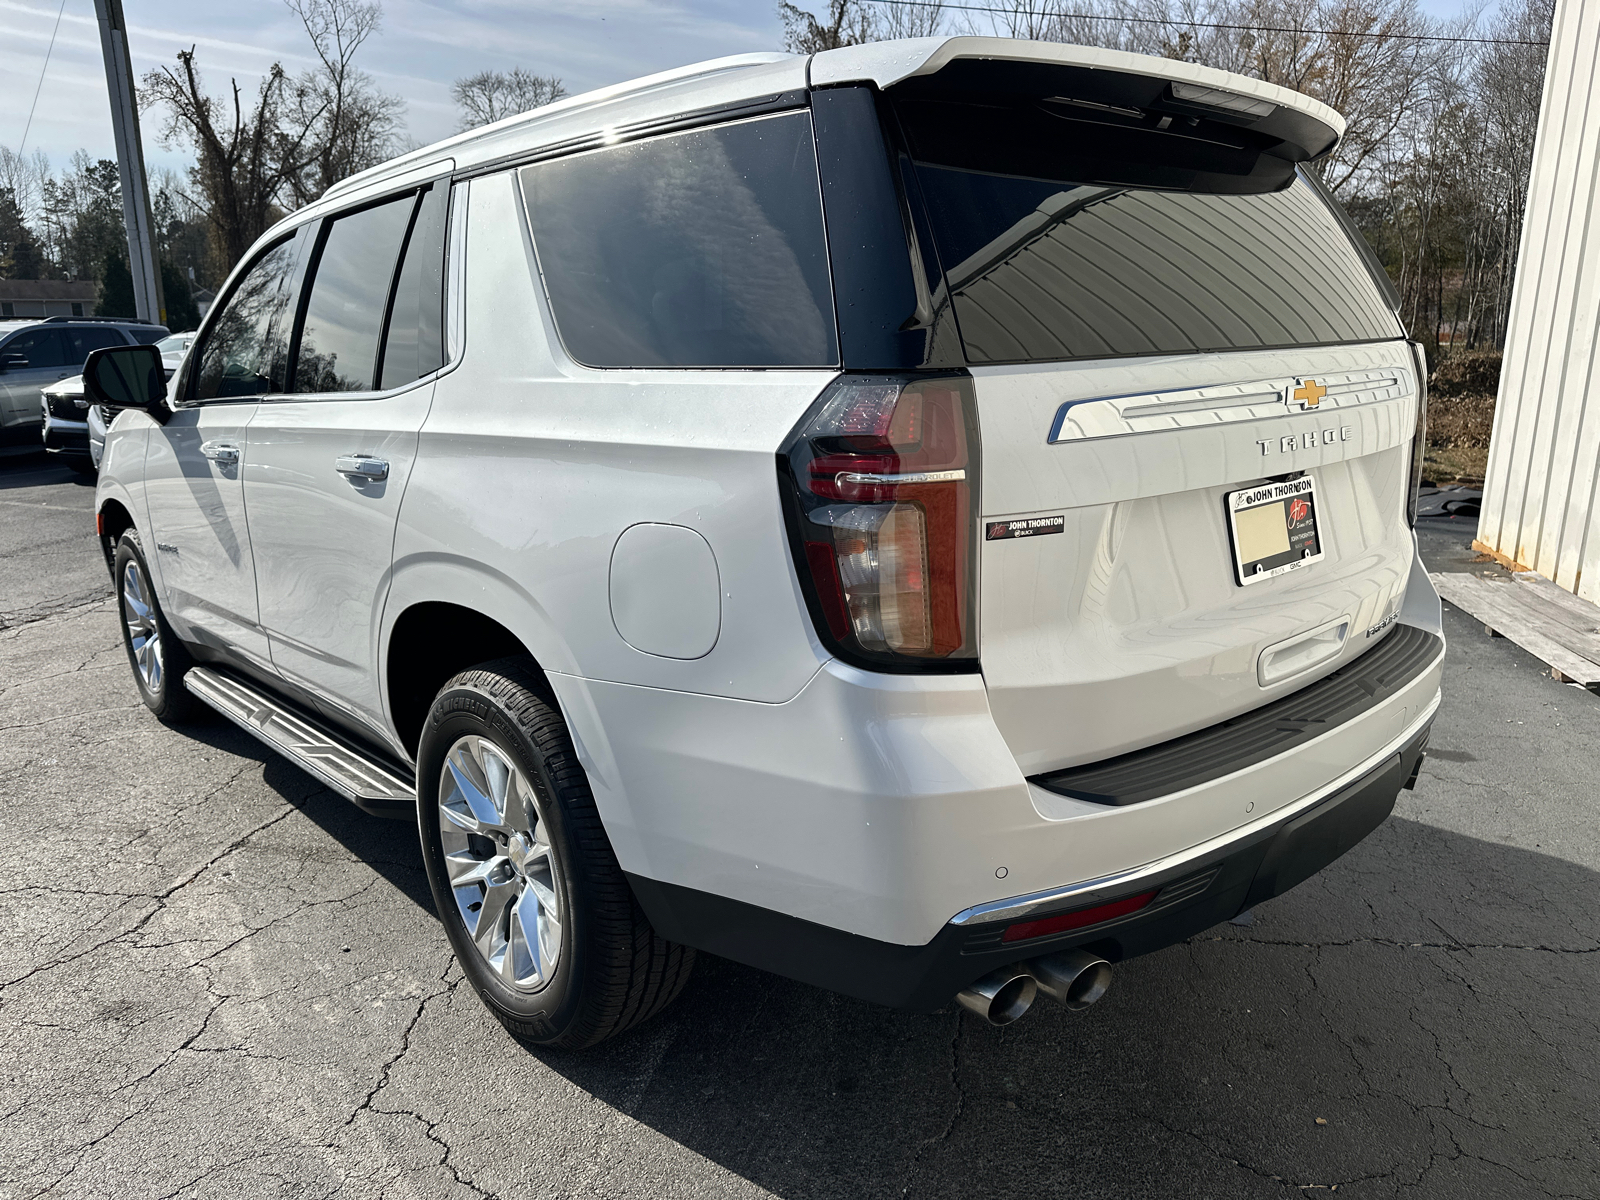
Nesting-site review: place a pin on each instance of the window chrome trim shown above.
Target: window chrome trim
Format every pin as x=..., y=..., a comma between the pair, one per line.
x=455, y=273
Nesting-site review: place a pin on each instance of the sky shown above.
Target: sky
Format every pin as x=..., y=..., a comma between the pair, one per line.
x=422, y=47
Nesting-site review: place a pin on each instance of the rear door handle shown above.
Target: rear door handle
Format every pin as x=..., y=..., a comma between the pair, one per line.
x=220, y=452
x=363, y=467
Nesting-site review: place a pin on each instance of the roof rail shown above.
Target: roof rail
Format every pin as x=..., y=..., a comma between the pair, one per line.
x=107, y=320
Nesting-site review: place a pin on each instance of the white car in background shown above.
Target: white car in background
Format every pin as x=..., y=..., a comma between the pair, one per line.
x=930, y=519
x=73, y=427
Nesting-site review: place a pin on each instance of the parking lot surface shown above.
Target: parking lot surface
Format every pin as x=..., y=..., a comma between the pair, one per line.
x=218, y=979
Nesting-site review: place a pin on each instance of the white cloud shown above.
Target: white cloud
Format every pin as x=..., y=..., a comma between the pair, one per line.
x=424, y=45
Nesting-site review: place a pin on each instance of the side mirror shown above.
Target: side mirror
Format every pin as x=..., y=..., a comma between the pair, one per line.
x=125, y=377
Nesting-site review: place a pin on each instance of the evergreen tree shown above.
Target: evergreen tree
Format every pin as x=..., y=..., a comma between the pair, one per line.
x=116, y=287
x=182, y=312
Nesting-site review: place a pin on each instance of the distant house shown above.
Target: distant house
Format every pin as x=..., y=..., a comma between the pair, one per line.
x=47, y=298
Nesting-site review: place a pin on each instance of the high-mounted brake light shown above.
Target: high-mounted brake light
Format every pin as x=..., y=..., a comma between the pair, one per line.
x=880, y=481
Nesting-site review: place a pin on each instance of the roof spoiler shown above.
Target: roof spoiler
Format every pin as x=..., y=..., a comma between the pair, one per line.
x=1306, y=129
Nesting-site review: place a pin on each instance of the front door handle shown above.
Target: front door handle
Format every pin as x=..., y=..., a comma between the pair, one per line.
x=220, y=452
x=363, y=467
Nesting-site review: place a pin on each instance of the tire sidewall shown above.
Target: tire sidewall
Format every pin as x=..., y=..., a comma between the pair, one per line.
x=467, y=708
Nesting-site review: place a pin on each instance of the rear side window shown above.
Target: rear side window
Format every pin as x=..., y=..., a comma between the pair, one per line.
x=413, y=346
x=698, y=249
x=1039, y=270
x=81, y=342
x=245, y=351
x=354, y=272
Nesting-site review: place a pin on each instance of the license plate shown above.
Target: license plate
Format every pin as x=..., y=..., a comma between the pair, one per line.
x=1274, y=529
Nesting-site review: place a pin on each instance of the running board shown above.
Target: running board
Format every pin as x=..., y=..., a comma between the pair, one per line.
x=366, y=783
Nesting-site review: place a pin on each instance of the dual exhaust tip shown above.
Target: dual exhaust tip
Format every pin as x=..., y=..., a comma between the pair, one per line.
x=1074, y=978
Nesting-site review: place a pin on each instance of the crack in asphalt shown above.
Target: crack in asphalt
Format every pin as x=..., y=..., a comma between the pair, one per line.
x=159, y=898
x=959, y=1107
x=430, y=1128
x=405, y=1042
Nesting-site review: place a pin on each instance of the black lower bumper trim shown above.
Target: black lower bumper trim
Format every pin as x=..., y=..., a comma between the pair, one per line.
x=1193, y=897
x=1257, y=735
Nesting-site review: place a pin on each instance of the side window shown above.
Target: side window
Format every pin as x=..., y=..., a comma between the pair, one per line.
x=697, y=249
x=41, y=347
x=244, y=353
x=80, y=342
x=350, y=284
x=414, y=345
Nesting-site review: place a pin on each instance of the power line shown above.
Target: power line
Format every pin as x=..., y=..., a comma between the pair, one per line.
x=40, y=86
x=1046, y=13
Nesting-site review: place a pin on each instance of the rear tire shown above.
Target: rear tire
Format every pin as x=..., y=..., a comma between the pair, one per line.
x=158, y=659
x=536, y=907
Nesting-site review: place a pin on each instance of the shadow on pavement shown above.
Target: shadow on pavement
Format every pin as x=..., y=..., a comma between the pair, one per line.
x=26, y=467
x=389, y=847
x=1202, y=1073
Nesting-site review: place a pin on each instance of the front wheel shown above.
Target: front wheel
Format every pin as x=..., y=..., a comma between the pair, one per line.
x=158, y=659
x=523, y=876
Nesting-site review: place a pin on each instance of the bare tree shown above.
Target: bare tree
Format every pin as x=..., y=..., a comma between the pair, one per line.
x=243, y=158
x=910, y=18
x=334, y=109
x=847, y=23
x=490, y=96
x=24, y=176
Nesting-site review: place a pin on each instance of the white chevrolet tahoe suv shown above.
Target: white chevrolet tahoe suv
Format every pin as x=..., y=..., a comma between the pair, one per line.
x=929, y=519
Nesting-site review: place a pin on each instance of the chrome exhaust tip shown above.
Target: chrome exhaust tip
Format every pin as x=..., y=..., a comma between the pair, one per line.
x=1002, y=996
x=1074, y=978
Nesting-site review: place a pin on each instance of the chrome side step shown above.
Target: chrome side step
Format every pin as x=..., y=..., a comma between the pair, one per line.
x=369, y=785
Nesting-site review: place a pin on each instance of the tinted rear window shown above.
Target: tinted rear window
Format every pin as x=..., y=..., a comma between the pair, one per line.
x=699, y=249
x=414, y=344
x=349, y=290
x=1045, y=269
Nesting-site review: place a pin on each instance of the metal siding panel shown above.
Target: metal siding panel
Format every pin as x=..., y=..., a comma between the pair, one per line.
x=1539, y=497
x=1546, y=487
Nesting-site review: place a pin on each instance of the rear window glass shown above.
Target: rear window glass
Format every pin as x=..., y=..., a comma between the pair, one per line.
x=699, y=249
x=414, y=344
x=338, y=349
x=1043, y=270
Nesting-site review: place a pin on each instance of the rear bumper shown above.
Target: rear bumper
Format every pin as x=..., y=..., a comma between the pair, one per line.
x=1190, y=892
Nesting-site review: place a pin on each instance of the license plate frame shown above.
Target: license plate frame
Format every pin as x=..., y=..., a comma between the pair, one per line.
x=1261, y=549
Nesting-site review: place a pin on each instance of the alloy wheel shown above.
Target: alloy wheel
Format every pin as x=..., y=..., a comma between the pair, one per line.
x=502, y=870
x=144, y=631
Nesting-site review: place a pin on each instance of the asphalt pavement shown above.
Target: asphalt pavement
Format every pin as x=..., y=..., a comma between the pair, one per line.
x=218, y=979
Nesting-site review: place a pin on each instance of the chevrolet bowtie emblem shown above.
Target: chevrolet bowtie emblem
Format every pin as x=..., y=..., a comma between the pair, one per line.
x=1310, y=393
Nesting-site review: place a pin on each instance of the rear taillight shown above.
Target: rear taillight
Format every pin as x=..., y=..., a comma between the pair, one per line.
x=1419, y=440
x=880, y=483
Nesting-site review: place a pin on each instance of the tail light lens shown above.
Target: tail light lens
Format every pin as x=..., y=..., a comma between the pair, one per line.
x=1419, y=440
x=880, y=481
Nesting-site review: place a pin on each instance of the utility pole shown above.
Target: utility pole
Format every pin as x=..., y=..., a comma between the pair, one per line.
x=149, y=301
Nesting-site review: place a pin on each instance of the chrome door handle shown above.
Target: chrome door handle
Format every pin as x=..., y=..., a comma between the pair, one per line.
x=363, y=467
x=220, y=452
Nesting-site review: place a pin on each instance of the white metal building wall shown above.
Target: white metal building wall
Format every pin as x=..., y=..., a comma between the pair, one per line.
x=1539, y=502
